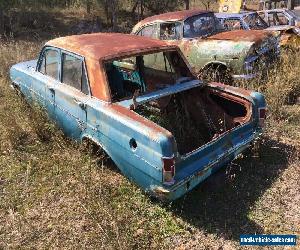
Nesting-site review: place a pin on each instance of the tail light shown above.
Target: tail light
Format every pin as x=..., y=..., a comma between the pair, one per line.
x=262, y=112
x=168, y=170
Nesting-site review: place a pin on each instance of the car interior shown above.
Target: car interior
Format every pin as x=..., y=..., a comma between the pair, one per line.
x=144, y=73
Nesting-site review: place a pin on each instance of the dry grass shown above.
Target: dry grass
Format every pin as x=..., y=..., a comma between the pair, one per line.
x=54, y=194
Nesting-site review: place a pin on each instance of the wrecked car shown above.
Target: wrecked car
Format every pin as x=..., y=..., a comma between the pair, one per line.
x=280, y=17
x=289, y=35
x=137, y=99
x=213, y=52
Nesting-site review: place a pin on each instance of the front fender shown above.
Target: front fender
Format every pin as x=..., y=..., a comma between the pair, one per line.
x=203, y=52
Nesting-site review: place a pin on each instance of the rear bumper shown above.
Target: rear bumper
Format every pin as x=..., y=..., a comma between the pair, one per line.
x=183, y=186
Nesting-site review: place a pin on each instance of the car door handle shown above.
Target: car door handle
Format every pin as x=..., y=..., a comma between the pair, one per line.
x=80, y=104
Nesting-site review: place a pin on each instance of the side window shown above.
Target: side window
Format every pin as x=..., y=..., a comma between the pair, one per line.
x=271, y=20
x=282, y=19
x=73, y=73
x=232, y=24
x=49, y=65
x=148, y=31
x=170, y=31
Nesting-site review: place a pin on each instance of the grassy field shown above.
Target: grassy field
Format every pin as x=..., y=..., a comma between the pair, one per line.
x=55, y=194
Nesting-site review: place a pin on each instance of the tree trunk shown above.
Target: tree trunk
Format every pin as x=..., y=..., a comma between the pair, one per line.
x=187, y=4
x=291, y=4
x=136, y=4
x=1, y=22
x=88, y=6
x=114, y=14
x=142, y=10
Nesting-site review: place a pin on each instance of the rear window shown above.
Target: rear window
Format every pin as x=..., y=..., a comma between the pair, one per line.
x=145, y=73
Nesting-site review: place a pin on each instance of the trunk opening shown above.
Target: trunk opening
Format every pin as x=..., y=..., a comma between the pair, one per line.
x=197, y=116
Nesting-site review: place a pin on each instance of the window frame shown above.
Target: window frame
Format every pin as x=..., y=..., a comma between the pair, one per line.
x=155, y=26
x=40, y=62
x=242, y=23
x=147, y=52
x=171, y=22
x=283, y=13
x=208, y=14
x=60, y=66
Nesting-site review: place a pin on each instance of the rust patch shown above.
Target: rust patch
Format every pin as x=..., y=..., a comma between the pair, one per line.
x=243, y=35
x=103, y=45
x=172, y=16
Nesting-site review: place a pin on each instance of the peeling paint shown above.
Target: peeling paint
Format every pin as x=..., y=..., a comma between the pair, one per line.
x=143, y=149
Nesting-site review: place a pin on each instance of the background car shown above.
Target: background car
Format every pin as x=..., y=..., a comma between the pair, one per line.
x=214, y=53
x=277, y=17
x=289, y=35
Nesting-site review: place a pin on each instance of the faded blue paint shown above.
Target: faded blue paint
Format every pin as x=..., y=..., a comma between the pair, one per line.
x=82, y=116
x=173, y=89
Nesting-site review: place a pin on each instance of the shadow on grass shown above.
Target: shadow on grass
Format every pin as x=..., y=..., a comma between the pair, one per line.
x=42, y=24
x=221, y=205
x=35, y=25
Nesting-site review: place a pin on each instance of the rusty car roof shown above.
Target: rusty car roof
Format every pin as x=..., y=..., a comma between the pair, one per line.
x=173, y=16
x=242, y=35
x=99, y=46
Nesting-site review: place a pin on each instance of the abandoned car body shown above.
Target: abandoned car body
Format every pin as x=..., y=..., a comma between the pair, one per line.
x=280, y=17
x=208, y=47
x=289, y=35
x=164, y=129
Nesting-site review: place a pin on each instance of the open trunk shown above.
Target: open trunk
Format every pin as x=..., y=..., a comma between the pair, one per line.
x=197, y=116
x=160, y=87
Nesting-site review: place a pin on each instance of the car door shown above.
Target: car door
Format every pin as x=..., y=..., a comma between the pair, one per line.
x=71, y=95
x=46, y=79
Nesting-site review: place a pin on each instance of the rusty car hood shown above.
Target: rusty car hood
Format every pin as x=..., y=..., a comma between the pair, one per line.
x=198, y=51
x=255, y=36
x=286, y=28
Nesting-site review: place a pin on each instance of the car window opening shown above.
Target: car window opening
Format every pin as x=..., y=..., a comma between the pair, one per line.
x=144, y=73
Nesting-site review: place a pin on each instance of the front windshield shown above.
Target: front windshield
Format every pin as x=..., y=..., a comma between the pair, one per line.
x=201, y=25
x=255, y=22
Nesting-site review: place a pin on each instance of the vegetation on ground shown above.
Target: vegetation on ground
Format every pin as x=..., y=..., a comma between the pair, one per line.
x=55, y=194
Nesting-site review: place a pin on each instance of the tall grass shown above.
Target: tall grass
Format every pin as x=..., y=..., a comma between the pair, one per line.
x=280, y=83
x=54, y=194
